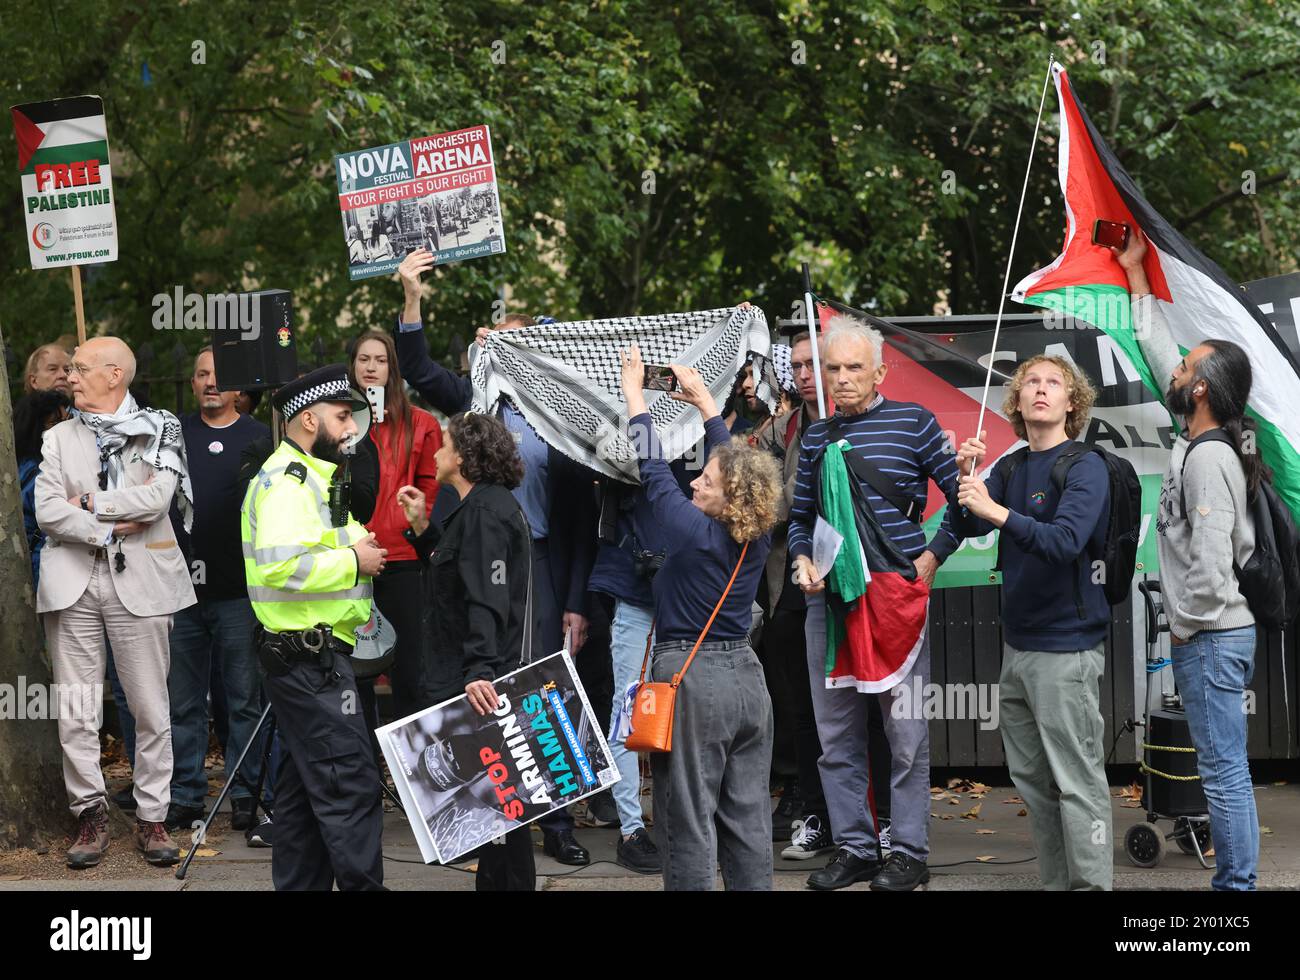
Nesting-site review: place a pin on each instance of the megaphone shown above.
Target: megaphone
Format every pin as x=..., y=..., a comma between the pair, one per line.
x=361, y=416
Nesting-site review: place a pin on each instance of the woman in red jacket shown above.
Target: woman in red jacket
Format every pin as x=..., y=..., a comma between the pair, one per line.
x=405, y=442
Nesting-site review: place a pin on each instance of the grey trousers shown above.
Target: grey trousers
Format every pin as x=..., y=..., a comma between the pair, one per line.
x=711, y=802
x=842, y=727
x=75, y=638
x=1054, y=733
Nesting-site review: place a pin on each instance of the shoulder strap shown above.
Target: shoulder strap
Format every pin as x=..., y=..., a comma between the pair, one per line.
x=1062, y=464
x=869, y=473
x=677, y=678
x=1211, y=435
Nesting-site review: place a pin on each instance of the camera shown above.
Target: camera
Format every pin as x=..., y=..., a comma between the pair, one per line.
x=648, y=562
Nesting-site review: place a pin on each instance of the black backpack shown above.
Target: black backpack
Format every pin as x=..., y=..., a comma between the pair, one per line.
x=1270, y=579
x=1119, y=551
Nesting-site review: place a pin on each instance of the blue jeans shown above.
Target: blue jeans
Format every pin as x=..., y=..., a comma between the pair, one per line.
x=1212, y=670
x=223, y=626
x=627, y=636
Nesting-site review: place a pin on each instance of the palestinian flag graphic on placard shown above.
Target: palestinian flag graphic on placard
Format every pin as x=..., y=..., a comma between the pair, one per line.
x=1197, y=297
x=67, y=181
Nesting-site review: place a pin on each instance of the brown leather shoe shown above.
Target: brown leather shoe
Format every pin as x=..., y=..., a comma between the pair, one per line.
x=92, y=838
x=158, y=847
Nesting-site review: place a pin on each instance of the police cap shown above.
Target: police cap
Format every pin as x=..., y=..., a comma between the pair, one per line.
x=326, y=384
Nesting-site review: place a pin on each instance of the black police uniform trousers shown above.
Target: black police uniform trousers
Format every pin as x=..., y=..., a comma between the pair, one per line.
x=329, y=816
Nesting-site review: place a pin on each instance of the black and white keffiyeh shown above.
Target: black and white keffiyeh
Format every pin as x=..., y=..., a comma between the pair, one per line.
x=564, y=378
x=164, y=448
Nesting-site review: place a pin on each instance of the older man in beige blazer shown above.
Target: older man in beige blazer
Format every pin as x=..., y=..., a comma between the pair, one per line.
x=111, y=564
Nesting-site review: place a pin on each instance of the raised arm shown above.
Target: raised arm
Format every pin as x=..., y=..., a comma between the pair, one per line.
x=1150, y=327
x=449, y=393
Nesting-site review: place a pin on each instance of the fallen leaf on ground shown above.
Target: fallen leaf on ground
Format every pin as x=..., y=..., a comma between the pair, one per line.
x=973, y=813
x=203, y=852
x=1266, y=830
x=985, y=857
x=945, y=816
x=1013, y=799
x=978, y=788
x=985, y=830
x=1023, y=812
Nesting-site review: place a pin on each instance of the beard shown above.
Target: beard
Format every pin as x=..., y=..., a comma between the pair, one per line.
x=1180, y=401
x=330, y=450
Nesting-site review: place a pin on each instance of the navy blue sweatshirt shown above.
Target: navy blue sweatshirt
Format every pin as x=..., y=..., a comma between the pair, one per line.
x=1041, y=544
x=907, y=445
x=703, y=554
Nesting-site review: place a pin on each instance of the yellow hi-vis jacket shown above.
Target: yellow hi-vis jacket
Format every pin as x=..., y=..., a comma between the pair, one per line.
x=300, y=570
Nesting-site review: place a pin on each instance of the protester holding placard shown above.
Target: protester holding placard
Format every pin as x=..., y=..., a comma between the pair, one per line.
x=481, y=566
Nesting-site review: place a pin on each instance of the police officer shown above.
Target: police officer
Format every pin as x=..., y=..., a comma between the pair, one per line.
x=309, y=579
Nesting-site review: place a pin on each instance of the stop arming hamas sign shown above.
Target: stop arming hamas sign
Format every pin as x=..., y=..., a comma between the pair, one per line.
x=436, y=192
x=67, y=181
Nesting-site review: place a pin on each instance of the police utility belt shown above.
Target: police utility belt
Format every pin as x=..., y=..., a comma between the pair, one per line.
x=315, y=645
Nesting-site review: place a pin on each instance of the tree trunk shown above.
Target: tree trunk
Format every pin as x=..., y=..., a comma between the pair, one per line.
x=33, y=804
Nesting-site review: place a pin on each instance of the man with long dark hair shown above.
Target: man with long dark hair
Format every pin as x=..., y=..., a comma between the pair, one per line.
x=1205, y=529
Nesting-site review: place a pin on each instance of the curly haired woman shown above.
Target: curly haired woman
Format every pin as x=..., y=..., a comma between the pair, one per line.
x=711, y=802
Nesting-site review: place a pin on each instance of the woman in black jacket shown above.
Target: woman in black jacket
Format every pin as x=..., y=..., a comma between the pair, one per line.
x=480, y=560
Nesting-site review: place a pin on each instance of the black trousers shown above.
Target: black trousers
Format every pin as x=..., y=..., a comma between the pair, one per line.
x=548, y=614
x=507, y=866
x=399, y=593
x=329, y=819
x=785, y=662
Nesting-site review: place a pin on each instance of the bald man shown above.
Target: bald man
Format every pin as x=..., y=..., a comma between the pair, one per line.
x=111, y=565
x=48, y=369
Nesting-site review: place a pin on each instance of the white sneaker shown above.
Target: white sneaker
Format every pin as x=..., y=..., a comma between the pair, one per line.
x=810, y=839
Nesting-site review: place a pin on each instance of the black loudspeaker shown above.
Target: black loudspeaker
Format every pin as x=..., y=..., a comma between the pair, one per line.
x=1173, y=797
x=262, y=354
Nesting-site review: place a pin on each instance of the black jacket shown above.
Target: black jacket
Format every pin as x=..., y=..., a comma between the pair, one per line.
x=479, y=564
x=570, y=491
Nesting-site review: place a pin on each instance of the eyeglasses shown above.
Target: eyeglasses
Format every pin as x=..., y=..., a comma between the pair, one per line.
x=84, y=369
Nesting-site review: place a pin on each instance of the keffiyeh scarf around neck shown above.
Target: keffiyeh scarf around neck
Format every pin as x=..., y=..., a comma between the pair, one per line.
x=164, y=447
x=565, y=378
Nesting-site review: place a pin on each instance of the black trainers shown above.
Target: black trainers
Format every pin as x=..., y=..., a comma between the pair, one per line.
x=810, y=839
x=900, y=874
x=601, y=810
x=181, y=817
x=259, y=835
x=638, y=853
x=844, y=869
x=241, y=813
x=786, y=813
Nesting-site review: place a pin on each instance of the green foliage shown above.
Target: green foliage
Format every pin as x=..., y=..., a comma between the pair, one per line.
x=773, y=133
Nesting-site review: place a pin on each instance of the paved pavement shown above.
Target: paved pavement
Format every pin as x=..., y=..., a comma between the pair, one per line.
x=980, y=841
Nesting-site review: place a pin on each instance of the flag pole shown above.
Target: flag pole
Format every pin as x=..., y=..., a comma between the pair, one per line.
x=813, y=336
x=81, y=309
x=1015, y=231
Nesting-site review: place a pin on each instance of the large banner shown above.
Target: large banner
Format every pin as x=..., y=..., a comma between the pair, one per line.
x=944, y=371
x=466, y=778
x=67, y=182
x=437, y=192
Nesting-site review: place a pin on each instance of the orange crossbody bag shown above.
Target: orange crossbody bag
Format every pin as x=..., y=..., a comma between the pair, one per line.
x=655, y=704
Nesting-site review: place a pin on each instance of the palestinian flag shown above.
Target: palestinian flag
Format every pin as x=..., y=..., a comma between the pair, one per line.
x=876, y=607
x=1198, y=299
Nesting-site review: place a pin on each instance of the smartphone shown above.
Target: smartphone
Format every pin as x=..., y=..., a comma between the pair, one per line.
x=375, y=395
x=659, y=377
x=1110, y=234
